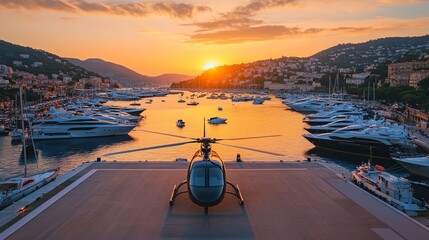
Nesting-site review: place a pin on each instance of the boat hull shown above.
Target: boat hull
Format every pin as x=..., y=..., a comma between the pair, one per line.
x=80, y=132
x=41, y=180
x=414, y=168
x=376, y=151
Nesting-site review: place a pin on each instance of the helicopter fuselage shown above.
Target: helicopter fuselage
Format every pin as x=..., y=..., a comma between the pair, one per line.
x=206, y=182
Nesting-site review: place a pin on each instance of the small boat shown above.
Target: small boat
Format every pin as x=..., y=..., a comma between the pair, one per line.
x=258, y=100
x=220, y=108
x=135, y=104
x=416, y=165
x=193, y=103
x=13, y=189
x=180, y=123
x=217, y=120
x=396, y=191
x=181, y=101
x=149, y=101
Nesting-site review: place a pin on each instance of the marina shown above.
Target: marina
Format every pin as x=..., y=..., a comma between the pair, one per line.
x=278, y=172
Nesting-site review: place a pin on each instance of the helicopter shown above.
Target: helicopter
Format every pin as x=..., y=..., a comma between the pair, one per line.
x=206, y=178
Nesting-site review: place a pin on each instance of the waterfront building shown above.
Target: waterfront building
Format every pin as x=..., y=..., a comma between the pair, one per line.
x=399, y=73
x=416, y=116
x=417, y=76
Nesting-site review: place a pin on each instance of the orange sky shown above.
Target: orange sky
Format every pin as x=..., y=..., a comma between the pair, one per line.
x=181, y=36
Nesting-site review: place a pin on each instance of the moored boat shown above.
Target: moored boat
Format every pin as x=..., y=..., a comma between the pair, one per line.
x=13, y=189
x=193, y=103
x=396, y=191
x=217, y=120
x=416, y=165
x=180, y=123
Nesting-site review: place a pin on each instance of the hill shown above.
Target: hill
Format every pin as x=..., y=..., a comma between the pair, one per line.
x=368, y=57
x=124, y=75
x=37, y=61
x=372, y=52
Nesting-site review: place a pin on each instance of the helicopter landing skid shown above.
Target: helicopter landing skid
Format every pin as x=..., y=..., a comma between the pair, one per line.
x=236, y=193
x=176, y=192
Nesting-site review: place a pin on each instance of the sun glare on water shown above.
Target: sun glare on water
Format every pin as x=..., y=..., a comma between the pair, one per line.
x=210, y=65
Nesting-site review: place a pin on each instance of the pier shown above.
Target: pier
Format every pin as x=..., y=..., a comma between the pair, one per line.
x=283, y=200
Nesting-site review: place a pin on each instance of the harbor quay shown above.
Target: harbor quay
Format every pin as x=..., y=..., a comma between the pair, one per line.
x=282, y=200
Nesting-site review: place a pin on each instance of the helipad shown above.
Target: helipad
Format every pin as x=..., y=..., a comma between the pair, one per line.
x=282, y=201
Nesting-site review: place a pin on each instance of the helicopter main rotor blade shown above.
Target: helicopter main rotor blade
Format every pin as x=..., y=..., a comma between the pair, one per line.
x=244, y=138
x=252, y=149
x=149, y=148
x=167, y=134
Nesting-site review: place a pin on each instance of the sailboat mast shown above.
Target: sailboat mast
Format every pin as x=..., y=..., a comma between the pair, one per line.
x=23, y=131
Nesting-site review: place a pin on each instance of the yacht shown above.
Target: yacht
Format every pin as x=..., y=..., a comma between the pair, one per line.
x=77, y=127
x=310, y=106
x=181, y=101
x=379, y=142
x=116, y=96
x=217, y=120
x=129, y=110
x=323, y=121
x=258, y=100
x=13, y=189
x=338, y=111
x=394, y=190
x=416, y=165
x=330, y=127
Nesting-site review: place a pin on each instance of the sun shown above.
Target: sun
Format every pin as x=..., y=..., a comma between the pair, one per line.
x=210, y=65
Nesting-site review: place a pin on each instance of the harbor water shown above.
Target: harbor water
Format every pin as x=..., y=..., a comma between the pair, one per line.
x=244, y=120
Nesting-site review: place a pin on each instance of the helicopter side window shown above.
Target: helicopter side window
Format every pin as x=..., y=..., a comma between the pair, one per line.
x=198, y=177
x=215, y=177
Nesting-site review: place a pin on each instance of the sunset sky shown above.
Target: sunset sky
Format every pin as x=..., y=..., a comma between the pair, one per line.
x=182, y=36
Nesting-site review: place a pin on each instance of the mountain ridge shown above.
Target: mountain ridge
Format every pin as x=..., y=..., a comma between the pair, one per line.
x=125, y=75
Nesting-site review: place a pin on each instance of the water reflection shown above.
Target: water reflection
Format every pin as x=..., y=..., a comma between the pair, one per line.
x=61, y=148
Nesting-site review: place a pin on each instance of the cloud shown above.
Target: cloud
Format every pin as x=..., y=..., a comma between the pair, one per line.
x=401, y=1
x=250, y=34
x=351, y=29
x=268, y=32
x=241, y=16
x=138, y=9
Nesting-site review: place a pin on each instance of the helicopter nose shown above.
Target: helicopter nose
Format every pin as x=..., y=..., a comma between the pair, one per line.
x=207, y=195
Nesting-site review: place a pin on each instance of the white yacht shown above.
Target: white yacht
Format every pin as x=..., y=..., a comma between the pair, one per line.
x=416, y=165
x=129, y=110
x=323, y=121
x=77, y=127
x=330, y=127
x=13, y=189
x=376, y=141
x=258, y=100
x=309, y=106
x=349, y=111
x=394, y=190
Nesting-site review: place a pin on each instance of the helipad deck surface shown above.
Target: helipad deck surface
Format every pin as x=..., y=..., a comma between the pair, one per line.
x=282, y=201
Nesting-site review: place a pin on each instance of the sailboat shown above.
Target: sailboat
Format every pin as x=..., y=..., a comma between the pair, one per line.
x=15, y=188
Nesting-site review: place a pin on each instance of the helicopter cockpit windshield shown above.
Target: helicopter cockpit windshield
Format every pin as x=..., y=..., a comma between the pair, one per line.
x=206, y=177
x=206, y=183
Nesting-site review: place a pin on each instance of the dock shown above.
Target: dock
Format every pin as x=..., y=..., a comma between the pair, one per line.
x=283, y=200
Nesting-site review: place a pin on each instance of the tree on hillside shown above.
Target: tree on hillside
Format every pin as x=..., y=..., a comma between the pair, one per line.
x=424, y=83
